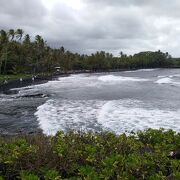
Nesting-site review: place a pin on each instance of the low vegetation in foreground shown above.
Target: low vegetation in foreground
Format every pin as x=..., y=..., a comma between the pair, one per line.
x=78, y=155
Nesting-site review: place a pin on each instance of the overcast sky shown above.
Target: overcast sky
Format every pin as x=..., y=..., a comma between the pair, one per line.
x=86, y=26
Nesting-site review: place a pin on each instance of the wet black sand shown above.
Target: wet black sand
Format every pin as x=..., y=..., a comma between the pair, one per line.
x=5, y=88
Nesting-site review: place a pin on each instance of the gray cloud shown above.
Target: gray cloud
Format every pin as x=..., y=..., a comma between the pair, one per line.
x=26, y=14
x=128, y=25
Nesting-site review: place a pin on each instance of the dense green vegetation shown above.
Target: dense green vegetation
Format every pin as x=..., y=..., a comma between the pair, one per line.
x=14, y=76
x=20, y=54
x=77, y=155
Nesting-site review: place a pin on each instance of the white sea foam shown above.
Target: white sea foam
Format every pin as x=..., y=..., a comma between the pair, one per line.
x=24, y=88
x=75, y=81
x=142, y=70
x=78, y=115
x=146, y=70
x=129, y=115
x=112, y=78
x=6, y=98
x=117, y=115
x=79, y=81
x=170, y=76
x=168, y=80
x=174, y=75
x=161, y=76
x=165, y=80
x=73, y=76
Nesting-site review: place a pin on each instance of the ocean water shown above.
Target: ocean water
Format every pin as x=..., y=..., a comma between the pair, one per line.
x=118, y=102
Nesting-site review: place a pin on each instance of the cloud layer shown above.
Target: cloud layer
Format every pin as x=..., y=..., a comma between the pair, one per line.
x=86, y=26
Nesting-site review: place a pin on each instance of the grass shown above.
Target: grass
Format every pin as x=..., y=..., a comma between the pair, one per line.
x=78, y=155
x=17, y=76
x=13, y=77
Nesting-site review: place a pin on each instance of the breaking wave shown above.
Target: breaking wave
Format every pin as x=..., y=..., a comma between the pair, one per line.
x=64, y=115
x=142, y=70
x=168, y=80
x=165, y=80
x=112, y=78
x=118, y=116
x=130, y=115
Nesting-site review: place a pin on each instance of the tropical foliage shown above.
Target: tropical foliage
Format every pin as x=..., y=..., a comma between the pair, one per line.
x=19, y=53
x=78, y=155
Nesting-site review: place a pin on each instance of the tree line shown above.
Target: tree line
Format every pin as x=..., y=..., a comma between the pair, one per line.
x=19, y=53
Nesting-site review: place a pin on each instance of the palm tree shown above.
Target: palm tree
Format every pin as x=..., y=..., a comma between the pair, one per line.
x=39, y=41
x=121, y=54
x=62, y=50
x=3, y=37
x=39, y=44
x=27, y=39
x=1, y=61
x=4, y=42
x=19, y=34
x=11, y=34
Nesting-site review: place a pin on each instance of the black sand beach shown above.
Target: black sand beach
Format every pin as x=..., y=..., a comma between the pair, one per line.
x=11, y=84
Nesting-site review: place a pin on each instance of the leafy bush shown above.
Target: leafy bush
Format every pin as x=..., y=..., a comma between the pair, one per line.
x=51, y=175
x=79, y=155
x=11, y=151
x=25, y=175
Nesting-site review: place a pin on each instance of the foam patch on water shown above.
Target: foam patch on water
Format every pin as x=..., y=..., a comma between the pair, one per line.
x=64, y=115
x=79, y=81
x=170, y=76
x=129, y=115
x=146, y=70
x=142, y=70
x=76, y=82
x=112, y=78
x=118, y=116
x=165, y=80
x=5, y=98
x=175, y=75
x=168, y=80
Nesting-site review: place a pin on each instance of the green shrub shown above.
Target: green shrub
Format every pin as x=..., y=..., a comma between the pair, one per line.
x=176, y=175
x=25, y=175
x=51, y=175
x=13, y=150
x=79, y=155
x=88, y=172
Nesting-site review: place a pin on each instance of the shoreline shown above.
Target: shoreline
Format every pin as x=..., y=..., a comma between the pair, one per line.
x=5, y=88
x=17, y=83
x=29, y=103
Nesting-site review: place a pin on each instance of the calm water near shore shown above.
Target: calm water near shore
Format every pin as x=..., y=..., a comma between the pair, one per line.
x=119, y=102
